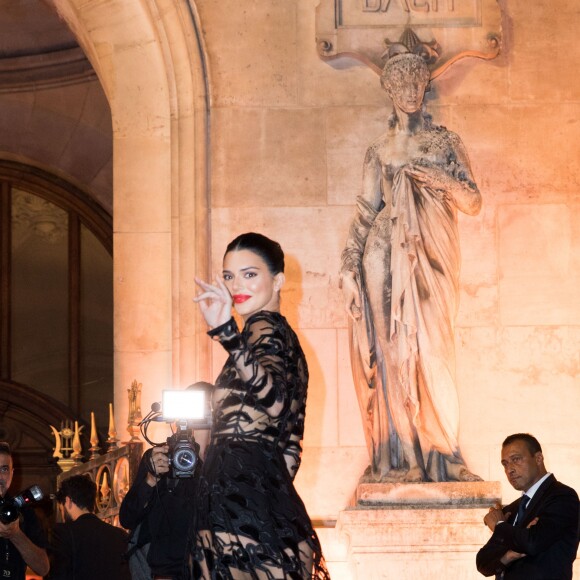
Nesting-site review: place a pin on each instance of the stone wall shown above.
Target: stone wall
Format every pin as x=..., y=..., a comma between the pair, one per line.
x=288, y=137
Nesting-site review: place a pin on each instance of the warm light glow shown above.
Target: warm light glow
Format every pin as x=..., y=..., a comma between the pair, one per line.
x=183, y=405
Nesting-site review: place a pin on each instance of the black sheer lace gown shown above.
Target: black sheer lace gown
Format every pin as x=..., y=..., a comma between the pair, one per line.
x=250, y=522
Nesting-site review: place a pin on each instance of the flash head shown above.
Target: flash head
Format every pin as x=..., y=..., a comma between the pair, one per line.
x=189, y=409
x=192, y=405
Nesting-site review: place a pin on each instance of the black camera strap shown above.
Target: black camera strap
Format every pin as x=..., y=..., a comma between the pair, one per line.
x=7, y=564
x=150, y=466
x=172, y=484
x=7, y=550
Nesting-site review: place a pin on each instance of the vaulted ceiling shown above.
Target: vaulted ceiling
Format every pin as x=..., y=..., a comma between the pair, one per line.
x=36, y=47
x=31, y=28
x=53, y=112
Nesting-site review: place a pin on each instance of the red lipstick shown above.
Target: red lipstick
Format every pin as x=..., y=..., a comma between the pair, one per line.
x=239, y=298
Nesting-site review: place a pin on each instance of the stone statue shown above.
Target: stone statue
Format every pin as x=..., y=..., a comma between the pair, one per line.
x=399, y=277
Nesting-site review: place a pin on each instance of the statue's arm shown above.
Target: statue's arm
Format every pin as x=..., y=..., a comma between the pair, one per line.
x=368, y=205
x=453, y=183
x=466, y=194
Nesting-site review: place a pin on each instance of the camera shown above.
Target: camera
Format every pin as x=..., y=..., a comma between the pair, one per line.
x=10, y=507
x=183, y=451
x=189, y=410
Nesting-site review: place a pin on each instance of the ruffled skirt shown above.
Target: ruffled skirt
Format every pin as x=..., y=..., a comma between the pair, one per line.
x=250, y=521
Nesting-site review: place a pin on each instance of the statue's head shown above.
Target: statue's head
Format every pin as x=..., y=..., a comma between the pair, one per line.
x=405, y=78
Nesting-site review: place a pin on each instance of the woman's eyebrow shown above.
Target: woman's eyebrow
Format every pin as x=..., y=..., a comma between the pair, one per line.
x=244, y=269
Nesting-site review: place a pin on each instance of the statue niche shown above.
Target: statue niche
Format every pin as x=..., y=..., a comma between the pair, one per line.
x=400, y=280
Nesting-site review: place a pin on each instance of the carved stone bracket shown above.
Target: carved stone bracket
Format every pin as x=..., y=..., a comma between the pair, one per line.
x=365, y=29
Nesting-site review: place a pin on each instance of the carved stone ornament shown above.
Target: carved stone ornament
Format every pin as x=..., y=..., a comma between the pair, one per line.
x=369, y=30
x=34, y=216
x=134, y=393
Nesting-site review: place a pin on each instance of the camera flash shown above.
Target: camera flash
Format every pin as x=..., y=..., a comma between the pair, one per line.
x=188, y=404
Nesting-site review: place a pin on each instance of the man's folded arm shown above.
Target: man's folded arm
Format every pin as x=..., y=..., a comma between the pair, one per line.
x=557, y=519
x=488, y=558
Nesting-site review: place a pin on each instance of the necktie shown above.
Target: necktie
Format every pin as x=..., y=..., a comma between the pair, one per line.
x=521, y=509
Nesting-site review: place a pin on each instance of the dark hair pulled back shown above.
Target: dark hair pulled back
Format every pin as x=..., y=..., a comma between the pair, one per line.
x=269, y=250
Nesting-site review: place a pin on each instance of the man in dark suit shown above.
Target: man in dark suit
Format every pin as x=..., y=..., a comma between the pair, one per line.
x=85, y=547
x=536, y=536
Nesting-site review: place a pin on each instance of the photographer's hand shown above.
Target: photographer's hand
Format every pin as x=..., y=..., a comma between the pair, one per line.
x=32, y=555
x=159, y=464
x=8, y=530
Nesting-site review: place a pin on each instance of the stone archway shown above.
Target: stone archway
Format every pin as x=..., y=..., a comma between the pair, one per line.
x=150, y=60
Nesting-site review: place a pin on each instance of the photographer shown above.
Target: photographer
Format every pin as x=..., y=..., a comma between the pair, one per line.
x=22, y=541
x=158, y=510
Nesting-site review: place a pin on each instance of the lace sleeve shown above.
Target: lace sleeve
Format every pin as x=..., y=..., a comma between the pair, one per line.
x=293, y=449
x=258, y=355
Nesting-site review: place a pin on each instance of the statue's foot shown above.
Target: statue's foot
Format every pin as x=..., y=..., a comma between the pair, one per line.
x=415, y=475
x=466, y=475
x=393, y=476
x=390, y=476
x=369, y=476
x=458, y=472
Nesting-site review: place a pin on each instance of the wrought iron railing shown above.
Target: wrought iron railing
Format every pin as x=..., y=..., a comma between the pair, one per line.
x=113, y=473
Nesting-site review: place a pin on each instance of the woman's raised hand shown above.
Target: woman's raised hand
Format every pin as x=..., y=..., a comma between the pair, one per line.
x=215, y=302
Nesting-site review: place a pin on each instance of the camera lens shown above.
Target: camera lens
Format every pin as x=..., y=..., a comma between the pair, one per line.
x=30, y=495
x=184, y=459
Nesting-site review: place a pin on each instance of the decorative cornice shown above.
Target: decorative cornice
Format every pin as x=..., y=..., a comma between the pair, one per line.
x=47, y=70
x=446, y=31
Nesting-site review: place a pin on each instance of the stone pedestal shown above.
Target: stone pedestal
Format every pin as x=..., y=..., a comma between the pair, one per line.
x=410, y=531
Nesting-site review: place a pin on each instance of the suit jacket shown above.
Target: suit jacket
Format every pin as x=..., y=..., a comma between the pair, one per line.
x=88, y=549
x=550, y=545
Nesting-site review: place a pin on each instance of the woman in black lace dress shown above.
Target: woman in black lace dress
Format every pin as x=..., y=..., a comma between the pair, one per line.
x=250, y=522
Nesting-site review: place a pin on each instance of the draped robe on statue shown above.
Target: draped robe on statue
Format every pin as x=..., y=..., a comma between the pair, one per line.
x=406, y=260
